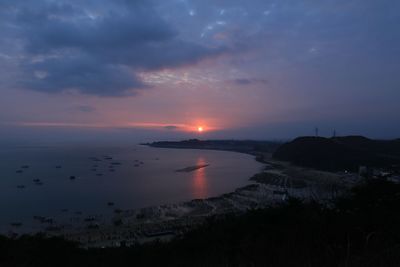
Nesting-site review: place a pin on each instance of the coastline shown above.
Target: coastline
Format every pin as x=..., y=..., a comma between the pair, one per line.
x=274, y=185
x=163, y=222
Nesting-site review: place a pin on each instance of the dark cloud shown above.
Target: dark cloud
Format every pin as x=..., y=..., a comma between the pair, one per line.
x=85, y=108
x=245, y=81
x=84, y=74
x=171, y=127
x=96, y=49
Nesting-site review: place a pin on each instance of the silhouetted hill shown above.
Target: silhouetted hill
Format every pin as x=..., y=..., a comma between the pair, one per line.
x=232, y=145
x=340, y=153
x=353, y=140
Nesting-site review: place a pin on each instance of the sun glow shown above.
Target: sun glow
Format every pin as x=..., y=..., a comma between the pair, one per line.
x=200, y=129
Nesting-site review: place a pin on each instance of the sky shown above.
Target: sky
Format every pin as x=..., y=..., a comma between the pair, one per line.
x=255, y=69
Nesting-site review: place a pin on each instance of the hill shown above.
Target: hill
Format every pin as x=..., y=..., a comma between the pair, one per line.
x=340, y=153
x=246, y=146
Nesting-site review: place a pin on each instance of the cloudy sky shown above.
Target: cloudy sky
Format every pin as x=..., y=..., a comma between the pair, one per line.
x=160, y=69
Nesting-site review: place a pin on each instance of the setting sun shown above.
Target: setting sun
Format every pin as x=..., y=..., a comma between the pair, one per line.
x=200, y=129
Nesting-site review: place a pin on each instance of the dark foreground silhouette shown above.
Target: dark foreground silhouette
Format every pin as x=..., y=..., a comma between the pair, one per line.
x=360, y=230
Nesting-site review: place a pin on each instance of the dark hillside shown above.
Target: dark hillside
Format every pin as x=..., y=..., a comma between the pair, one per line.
x=340, y=153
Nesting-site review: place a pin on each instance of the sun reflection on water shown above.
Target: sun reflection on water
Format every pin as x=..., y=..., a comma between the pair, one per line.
x=199, y=185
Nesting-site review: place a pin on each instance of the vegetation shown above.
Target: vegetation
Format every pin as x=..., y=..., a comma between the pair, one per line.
x=360, y=230
x=340, y=153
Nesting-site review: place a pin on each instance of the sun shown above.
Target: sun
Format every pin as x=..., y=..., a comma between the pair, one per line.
x=200, y=129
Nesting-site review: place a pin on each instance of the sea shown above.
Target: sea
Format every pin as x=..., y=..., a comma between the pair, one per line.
x=63, y=181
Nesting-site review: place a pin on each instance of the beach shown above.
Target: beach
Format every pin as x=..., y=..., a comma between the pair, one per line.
x=275, y=184
x=67, y=189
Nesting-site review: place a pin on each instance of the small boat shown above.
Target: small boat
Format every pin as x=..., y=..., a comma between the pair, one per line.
x=18, y=171
x=99, y=174
x=21, y=186
x=36, y=180
x=72, y=177
x=25, y=166
x=58, y=167
x=110, y=203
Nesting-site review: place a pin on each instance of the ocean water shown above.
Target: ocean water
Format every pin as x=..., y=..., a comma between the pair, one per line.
x=131, y=177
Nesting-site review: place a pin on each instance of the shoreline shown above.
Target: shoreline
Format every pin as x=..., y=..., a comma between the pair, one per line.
x=270, y=187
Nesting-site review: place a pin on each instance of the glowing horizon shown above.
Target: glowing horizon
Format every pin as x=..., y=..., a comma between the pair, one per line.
x=237, y=69
x=148, y=125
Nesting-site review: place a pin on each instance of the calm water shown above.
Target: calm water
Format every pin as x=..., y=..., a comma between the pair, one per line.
x=135, y=177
